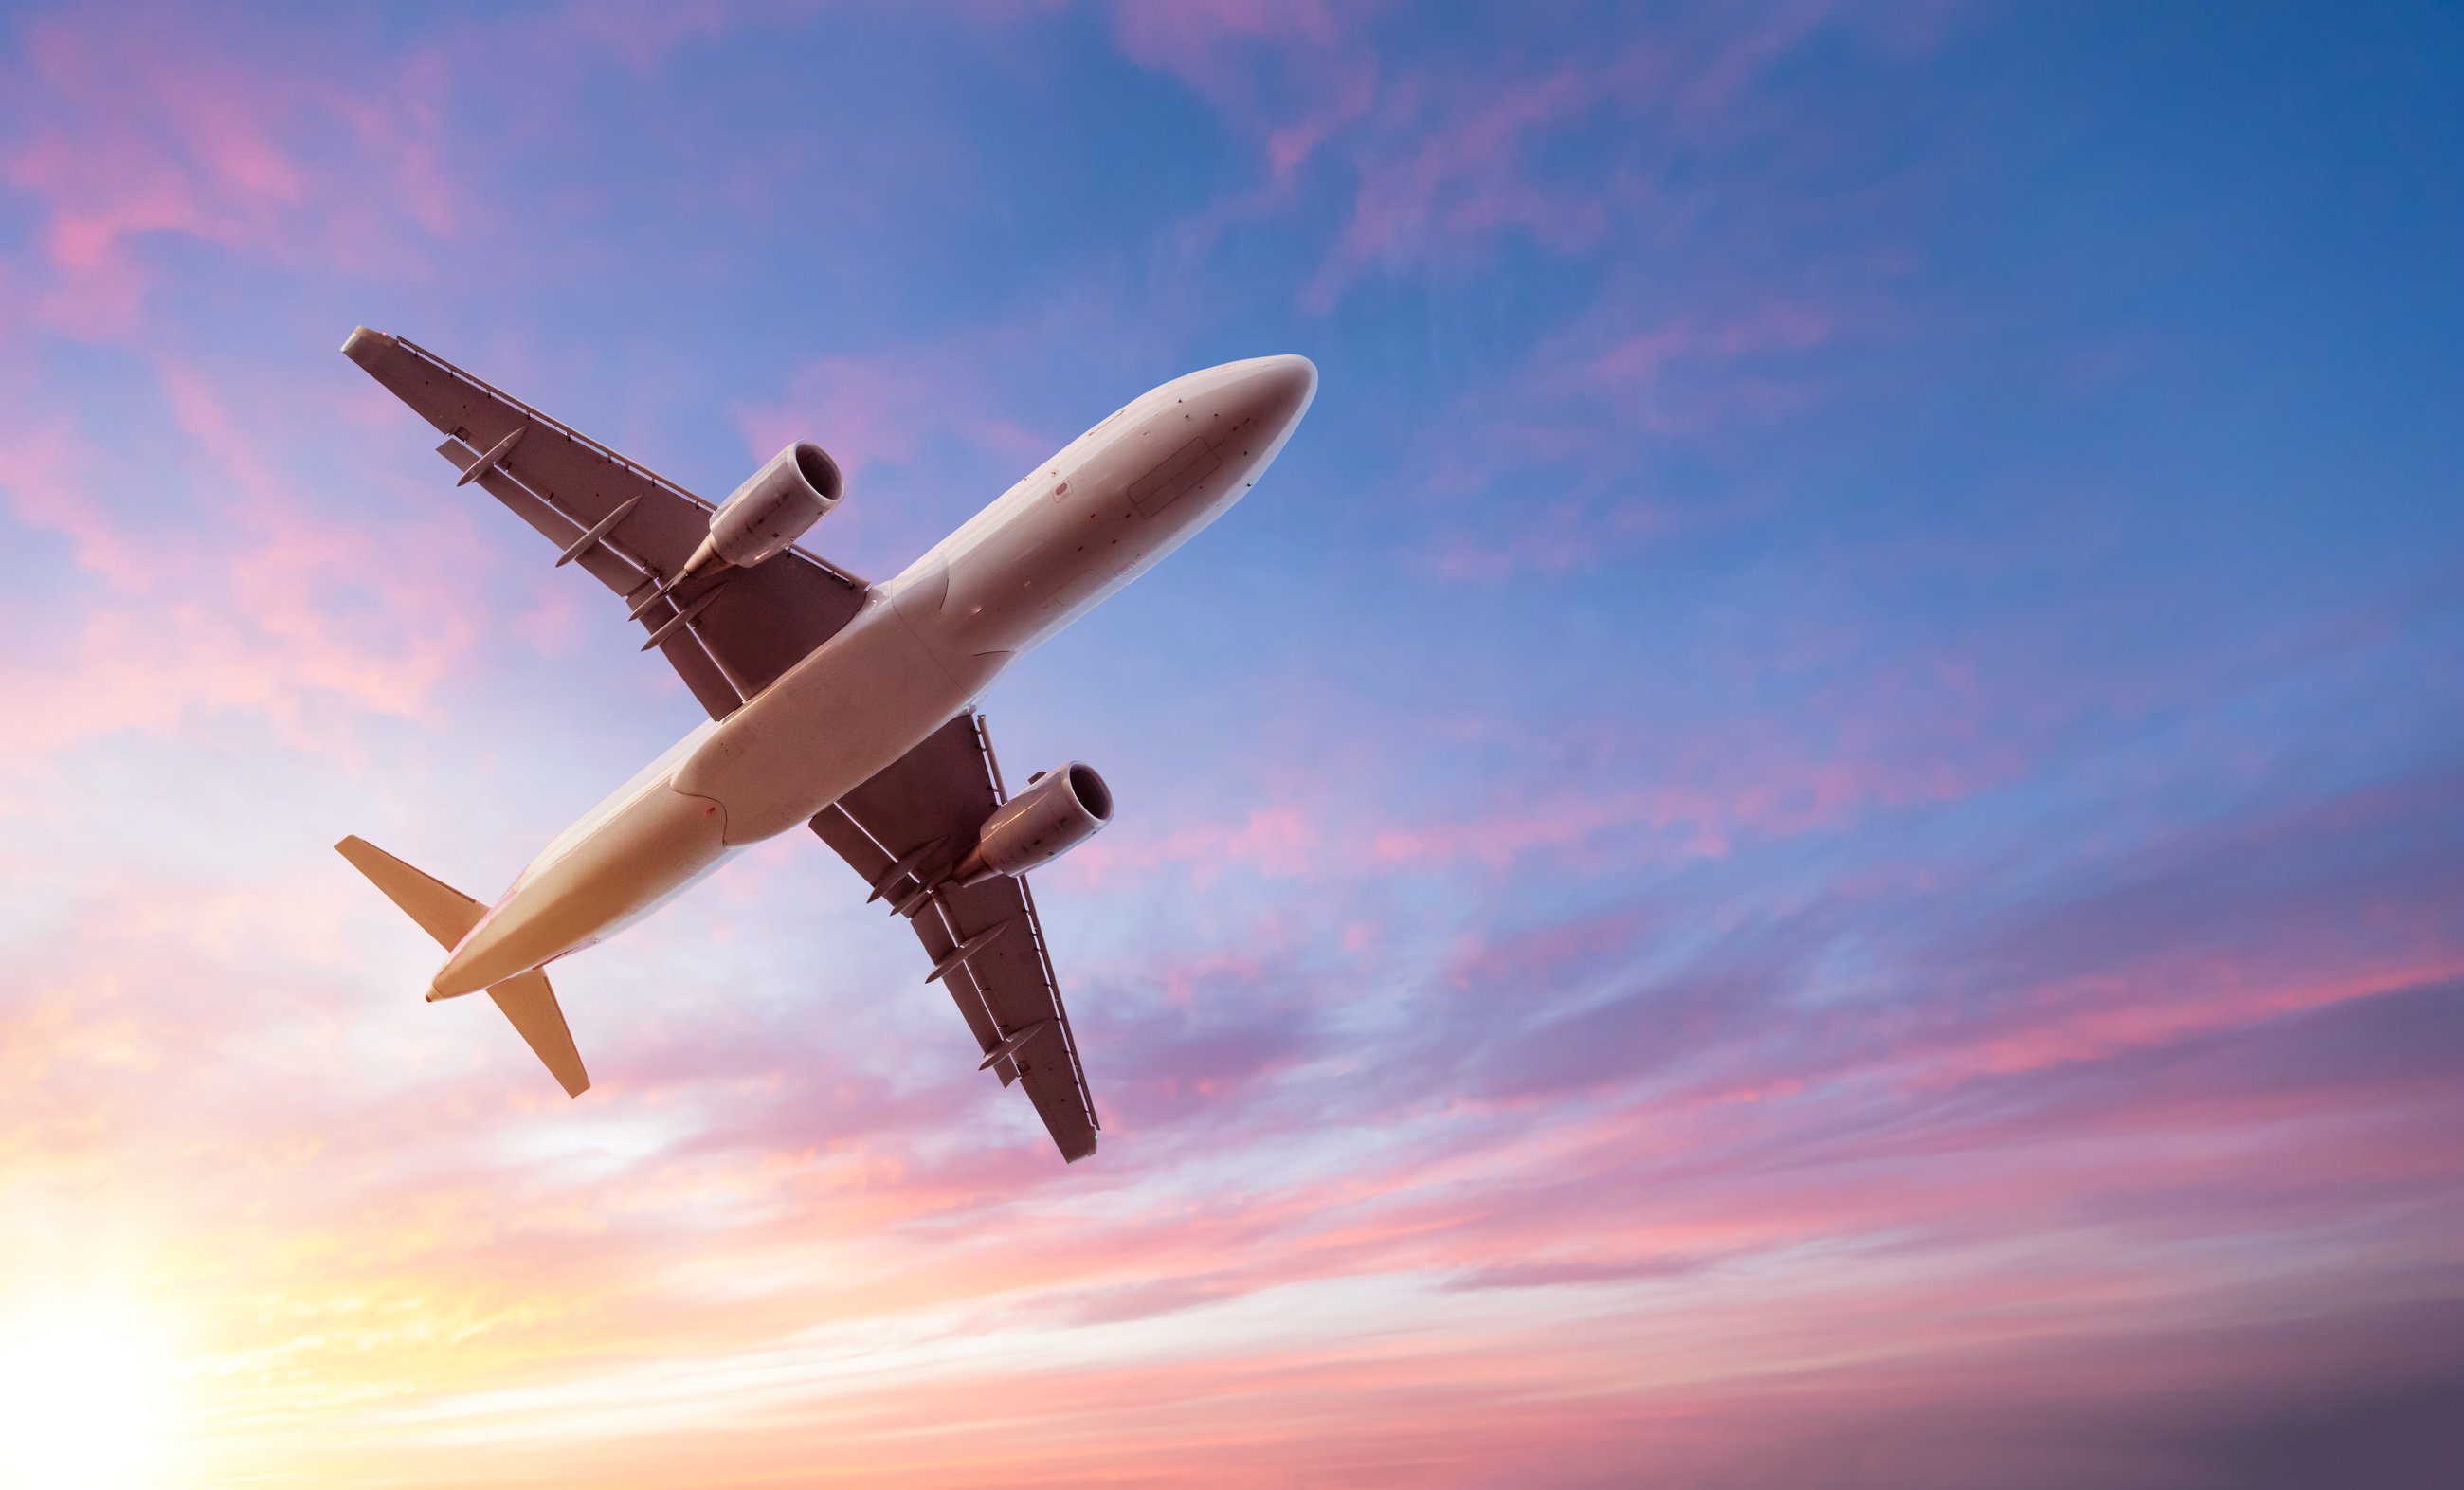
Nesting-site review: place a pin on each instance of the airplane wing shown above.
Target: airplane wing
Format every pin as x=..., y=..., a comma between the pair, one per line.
x=728, y=634
x=922, y=808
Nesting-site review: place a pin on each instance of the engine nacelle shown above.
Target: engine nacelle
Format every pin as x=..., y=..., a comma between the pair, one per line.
x=775, y=506
x=1038, y=825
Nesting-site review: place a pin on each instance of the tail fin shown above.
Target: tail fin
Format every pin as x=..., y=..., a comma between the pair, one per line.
x=447, y=914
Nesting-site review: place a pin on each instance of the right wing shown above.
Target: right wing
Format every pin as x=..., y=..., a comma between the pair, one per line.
x=762, y=621
x=920, y=812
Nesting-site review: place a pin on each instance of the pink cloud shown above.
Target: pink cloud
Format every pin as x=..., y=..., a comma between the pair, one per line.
x=891, y=409
x=1191, y=40
x=1703, y=805
x=257, y=596
x=1277, y=840
x=1462, y=177
x=1448, y=156
x=1515, y=1130
x=1580, y=404
x=133, y=130
x=44, y=464
x=378, y=1287
x=872, y=411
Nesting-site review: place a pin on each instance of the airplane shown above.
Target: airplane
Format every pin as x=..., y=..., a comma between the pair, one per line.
x=843, y=706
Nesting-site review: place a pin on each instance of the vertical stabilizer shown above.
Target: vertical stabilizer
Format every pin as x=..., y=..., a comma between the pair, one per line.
x=447, y=914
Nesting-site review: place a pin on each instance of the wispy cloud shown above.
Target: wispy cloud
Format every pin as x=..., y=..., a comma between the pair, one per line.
x=139, y=126
x=1719, y=871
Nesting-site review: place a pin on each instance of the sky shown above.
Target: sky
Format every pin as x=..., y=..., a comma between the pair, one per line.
x=1812, y=834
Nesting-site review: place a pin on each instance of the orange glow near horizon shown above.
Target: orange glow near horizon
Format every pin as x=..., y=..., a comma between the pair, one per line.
x=1810, y=838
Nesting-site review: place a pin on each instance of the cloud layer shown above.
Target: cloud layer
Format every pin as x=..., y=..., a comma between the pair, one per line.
x=1809, y=836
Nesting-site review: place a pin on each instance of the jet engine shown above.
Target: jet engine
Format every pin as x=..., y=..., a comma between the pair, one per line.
x=1060, y=811
x=760, y=519
x=775, y=506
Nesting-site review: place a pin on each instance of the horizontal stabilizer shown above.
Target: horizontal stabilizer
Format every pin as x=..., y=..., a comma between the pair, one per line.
x=530, y=1005
x=447, y=914
x=441, y=911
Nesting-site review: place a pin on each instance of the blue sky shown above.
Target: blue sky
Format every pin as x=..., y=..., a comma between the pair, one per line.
x=1822, y=791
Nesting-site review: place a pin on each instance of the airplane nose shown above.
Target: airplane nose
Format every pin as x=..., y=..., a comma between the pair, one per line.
x=1277, y=391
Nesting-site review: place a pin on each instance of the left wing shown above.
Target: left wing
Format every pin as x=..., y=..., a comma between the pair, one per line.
x=898, y=831
x=729, y=633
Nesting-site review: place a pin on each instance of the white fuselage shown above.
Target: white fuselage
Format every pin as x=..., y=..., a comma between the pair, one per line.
x=1084, y=524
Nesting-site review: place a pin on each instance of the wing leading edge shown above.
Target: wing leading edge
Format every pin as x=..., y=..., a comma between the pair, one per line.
x=728, y=634
x=985, y=941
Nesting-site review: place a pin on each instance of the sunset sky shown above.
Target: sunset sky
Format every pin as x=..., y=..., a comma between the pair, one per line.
x=1812, y=835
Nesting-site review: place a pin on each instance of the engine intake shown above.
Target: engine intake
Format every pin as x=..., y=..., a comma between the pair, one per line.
x=776, y=504
x=1050, y=818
